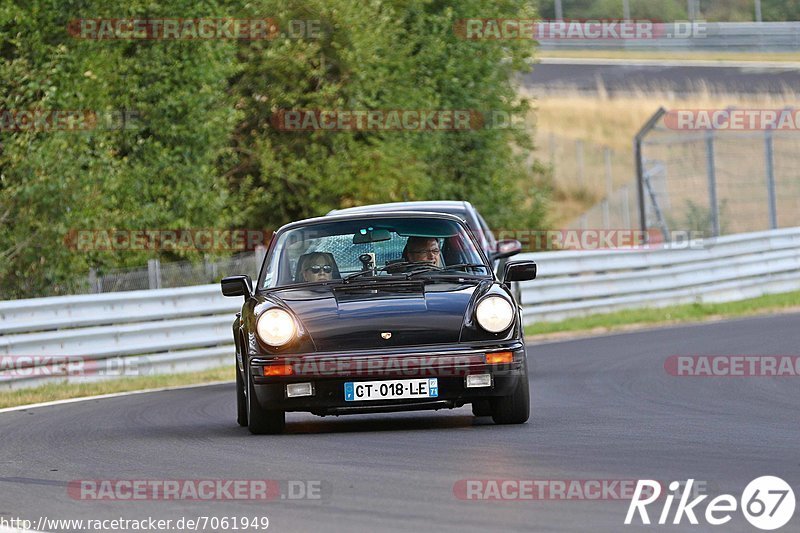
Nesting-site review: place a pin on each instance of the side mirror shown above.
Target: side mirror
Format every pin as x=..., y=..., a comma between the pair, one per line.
x=506, y=248
x=519, y=271
x=237, y=286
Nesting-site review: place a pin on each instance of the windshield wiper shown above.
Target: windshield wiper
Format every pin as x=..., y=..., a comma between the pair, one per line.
x=421, y=269
x=467, y=265
x=450, y=267
x=359, y=274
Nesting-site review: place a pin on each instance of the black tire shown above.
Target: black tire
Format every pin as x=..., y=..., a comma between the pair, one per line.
x=241, y=399
x=481, y=408
x=261, y=421
x=513, y=409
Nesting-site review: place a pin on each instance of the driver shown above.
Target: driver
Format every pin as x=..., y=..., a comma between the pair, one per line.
x=423, y=250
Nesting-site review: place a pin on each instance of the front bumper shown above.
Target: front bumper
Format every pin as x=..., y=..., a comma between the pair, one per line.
x=329, y=372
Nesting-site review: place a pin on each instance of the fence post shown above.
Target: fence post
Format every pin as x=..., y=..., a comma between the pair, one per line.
x=609, y=188
x=639, y=161
x=769, y=156
x=154, y=273
x=260, y=253
x=626, y=213
x=711, y=172
x=94, y=282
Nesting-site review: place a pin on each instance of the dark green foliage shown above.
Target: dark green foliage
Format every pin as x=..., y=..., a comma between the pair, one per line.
x=201, y=152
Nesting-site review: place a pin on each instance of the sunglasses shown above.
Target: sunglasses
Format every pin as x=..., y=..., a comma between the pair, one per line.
x=316, y=269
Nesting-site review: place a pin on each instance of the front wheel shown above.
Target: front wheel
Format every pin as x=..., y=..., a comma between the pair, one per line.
x=515, y=408
x=262, y=421
x=241, y=399
x=481, y=408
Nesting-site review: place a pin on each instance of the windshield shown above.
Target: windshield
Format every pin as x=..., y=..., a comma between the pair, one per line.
x=375, y=247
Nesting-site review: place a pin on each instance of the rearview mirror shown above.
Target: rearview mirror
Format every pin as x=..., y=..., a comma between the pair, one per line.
x=506, y=248
x=237, y=286
x=371, y=235
x=519, y=271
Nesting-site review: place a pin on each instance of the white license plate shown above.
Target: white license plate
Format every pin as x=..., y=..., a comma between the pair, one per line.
x=399, y=389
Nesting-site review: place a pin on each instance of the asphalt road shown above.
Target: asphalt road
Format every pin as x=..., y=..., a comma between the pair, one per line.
x=678, y=79
x=603, y=409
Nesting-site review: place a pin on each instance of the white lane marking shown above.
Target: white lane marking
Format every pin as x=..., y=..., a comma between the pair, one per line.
x=103, y=396
x=771, y=65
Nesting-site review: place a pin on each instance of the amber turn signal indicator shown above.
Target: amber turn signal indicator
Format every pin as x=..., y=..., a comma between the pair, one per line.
x=278, y=370
x=498, y=358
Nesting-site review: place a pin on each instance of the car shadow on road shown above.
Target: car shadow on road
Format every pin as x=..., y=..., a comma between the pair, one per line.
x=372, y=423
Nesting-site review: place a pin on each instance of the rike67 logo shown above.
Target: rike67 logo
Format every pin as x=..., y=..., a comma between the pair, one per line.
x=767, y=502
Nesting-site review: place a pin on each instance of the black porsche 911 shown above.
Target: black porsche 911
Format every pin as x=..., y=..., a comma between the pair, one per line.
x=378, y=312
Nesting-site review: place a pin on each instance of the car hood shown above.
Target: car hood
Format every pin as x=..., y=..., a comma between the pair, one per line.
x=361, y=315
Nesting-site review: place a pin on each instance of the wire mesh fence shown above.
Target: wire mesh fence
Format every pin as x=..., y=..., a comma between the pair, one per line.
x=721, y=182
x=158, y=275
x=708, y=181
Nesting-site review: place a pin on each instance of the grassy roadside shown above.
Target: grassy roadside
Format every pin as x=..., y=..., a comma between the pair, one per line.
x=676, y=314
x=62, y=391
x=677, y=55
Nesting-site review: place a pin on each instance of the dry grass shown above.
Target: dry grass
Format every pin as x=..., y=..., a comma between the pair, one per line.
x=677, y=55
x=561, y=119
x=61, y=391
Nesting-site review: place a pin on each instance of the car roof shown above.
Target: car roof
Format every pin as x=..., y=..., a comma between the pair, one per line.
x=432, y=205
x=367, y=215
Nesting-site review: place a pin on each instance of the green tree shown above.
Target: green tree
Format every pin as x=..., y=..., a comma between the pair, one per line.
x=380, y=55
x=158, y=172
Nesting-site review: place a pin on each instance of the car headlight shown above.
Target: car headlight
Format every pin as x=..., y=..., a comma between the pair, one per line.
x=494, y=314
x=276, y=327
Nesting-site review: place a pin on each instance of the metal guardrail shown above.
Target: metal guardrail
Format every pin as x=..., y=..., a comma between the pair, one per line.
x=727, y=268
x=189, y=328
x=711, y=36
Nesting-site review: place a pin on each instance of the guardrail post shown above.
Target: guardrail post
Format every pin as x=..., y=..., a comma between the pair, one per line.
x=579, y=157
x=769, y=156
x=154, y=273
x=711, y=171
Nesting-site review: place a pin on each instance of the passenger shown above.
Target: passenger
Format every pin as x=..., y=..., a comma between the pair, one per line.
x=316, y=266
